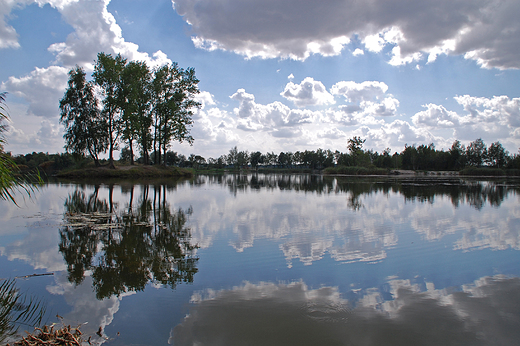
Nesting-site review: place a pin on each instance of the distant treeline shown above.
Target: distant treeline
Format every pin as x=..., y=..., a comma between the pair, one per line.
x=418, y=158
x=471, y=159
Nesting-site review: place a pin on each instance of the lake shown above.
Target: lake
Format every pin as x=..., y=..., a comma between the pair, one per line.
x=273, y=259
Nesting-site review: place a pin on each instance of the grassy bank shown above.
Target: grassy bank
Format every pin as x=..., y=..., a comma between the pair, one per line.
x=354, y=170
x=125, y=172
x=490, y=172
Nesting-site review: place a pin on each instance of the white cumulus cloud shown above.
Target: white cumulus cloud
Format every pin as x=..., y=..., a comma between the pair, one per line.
x=308, y=93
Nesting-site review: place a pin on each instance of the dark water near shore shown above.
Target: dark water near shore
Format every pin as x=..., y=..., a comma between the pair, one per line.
x=273, y=260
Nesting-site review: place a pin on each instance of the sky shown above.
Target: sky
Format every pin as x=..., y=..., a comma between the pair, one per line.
x=281, y=75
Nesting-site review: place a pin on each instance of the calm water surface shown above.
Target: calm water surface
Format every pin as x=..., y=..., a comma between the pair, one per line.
x=273, y=260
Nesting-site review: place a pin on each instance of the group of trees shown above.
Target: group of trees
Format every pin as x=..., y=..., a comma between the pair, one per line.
x=423, y=157
x=476, y=154
x=127, y=102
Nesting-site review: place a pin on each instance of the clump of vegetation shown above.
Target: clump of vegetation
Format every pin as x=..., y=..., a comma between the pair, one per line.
x=65, y=336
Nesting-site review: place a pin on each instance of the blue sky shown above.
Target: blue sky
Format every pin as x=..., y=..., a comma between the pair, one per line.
x=282, y=75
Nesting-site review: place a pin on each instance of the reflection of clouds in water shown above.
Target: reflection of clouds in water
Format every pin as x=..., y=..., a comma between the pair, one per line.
x=85, y=306
x=485, y=312
x=39, y=247
x=489, y=227
x=35, y=223
x=45, y=203
x=309, y=225
x=498, y=229
x=305, y=247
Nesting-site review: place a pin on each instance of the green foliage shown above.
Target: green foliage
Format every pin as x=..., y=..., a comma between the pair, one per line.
x=173, y=92
x=133, y=99
x=355, y=145
x=85, y=129
x=48, y=163
x=108, y=77
x=136, y=98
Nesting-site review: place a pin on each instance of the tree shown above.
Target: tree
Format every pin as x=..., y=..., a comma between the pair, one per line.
x=355, y=146
x=256, y=158
x=409, y=157
x=136, y=96
x=173, y=92
x=243, y=158
x=497, y=156
x=271, y=158
x=476, y=153
x=232, y=157
x=457, y=156
x=85, y=130
x=426, y=157
x=107, y=75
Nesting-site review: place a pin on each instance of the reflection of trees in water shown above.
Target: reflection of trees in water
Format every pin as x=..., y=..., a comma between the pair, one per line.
x=127, y=249
x=460, y=191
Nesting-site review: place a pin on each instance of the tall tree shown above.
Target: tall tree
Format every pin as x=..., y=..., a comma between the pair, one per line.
x=136, y=96
x=85, y=130
x=107, y=75
x=174, y=90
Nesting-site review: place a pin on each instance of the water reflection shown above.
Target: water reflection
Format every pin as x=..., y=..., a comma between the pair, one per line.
x=476, y=193
x=317, y=253
x=483, y=313
x=357, y=219
x=125, y=249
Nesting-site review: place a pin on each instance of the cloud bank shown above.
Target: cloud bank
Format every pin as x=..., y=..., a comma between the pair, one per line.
x=485, y=31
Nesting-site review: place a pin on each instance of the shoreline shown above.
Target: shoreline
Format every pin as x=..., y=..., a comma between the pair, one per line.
x=124, y=172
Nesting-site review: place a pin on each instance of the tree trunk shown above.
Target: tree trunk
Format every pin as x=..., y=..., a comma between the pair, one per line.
x=131, y=152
